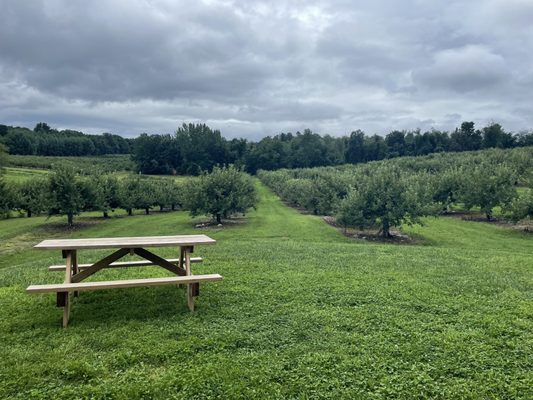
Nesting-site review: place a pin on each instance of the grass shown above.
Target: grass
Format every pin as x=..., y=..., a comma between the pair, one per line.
x=303, y=312
x=17, y=174
x=108, y=163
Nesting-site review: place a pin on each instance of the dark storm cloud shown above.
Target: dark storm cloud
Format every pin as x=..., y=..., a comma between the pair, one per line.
x=255, y=68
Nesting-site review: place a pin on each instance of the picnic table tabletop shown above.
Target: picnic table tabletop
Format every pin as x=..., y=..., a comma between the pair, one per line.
x=125, y=242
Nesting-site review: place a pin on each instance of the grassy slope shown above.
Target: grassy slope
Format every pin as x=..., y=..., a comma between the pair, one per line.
x=302, y=313
x=17, y=174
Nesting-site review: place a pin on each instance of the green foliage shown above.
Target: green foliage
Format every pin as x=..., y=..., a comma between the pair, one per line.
x=129, y=189
x=6, y=197
x=387, y=198
x=3, y=157
x=32, y=196
x=66, y=192
x=108, y=163
x=487, y=186
x=445, y=187
x=448, y=181
x=45, y=141
x=201, y=148
x=315, y=196
x=521, y=207
x=105, y=192
x=156, y=154
x=167, y=193
x=137, y=192
x=146, y=195
x=467, y=138
x=221, y=193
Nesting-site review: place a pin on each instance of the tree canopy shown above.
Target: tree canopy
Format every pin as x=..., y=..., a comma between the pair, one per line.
x=221, y=193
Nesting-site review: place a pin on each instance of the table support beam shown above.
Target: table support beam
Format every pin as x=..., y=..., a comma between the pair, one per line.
x=148, y=255
x=69, y=255
x=190, y=289
x=99, y=265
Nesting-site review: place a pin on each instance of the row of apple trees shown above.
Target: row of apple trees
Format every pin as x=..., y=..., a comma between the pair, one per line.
x=399, y=191
x=221, y=193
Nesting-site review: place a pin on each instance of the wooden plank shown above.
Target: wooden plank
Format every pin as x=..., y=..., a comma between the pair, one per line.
x=195, y=288
x=85, y=286
x=125, y=242
x=66, y=310
x=75, y=269
x=190, y=297
x=124, y=264
x=69, y=255
x=97, y=266
x=159, y=261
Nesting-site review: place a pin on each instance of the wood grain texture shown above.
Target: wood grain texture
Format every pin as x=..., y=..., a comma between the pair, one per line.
x=125, y=242
x=85, y=286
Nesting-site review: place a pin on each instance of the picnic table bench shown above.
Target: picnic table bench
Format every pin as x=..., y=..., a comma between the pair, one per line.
x=76, y=273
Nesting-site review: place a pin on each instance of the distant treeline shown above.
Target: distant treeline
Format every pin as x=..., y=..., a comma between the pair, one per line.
x=196, y=147
x=45, y=141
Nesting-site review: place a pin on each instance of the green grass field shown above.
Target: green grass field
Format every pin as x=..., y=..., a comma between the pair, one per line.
x=18, y=174
x=303, y=312
x=108, y=163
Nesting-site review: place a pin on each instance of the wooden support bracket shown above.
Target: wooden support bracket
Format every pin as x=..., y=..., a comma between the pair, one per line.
x=61, y=299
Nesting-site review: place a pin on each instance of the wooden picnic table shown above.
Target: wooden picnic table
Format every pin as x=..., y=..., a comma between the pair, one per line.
x=76, y=273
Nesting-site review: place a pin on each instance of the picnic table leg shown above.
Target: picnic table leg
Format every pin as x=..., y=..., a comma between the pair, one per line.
x=70, y=254
x=75, y=267
x=181, y=261
x=190, y=291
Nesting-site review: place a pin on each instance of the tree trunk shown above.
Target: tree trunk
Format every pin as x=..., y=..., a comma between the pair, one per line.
x=161, y=208
x=385, y=230
x=489, y=215
x=106, y=215
x=28, y=213
x=173, y=207
x=130, y=212
x=147, y=210
x=70, y=219
x=219, y=220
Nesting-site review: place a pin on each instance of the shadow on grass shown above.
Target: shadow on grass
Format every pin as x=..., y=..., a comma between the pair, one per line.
x=110, y=307
x=373, y=235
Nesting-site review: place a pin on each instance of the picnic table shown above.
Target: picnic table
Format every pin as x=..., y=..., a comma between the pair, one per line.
x=76, y=273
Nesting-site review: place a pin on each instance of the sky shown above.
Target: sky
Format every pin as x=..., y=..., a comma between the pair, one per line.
x=257, y=68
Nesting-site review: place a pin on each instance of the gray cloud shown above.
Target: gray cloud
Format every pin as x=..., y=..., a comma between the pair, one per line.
x=254, y=68
x=465, y=69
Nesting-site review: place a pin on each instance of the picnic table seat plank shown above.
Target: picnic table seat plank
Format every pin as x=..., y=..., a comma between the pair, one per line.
x=125, y=242
x=124, y=264
x=123, y=283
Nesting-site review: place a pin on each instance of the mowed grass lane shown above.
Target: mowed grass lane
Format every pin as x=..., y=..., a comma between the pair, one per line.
x=303, y=312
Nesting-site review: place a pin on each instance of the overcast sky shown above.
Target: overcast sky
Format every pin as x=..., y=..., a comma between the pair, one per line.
x=255, y=68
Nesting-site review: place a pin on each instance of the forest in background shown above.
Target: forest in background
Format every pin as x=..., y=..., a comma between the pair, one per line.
x=194, y=148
